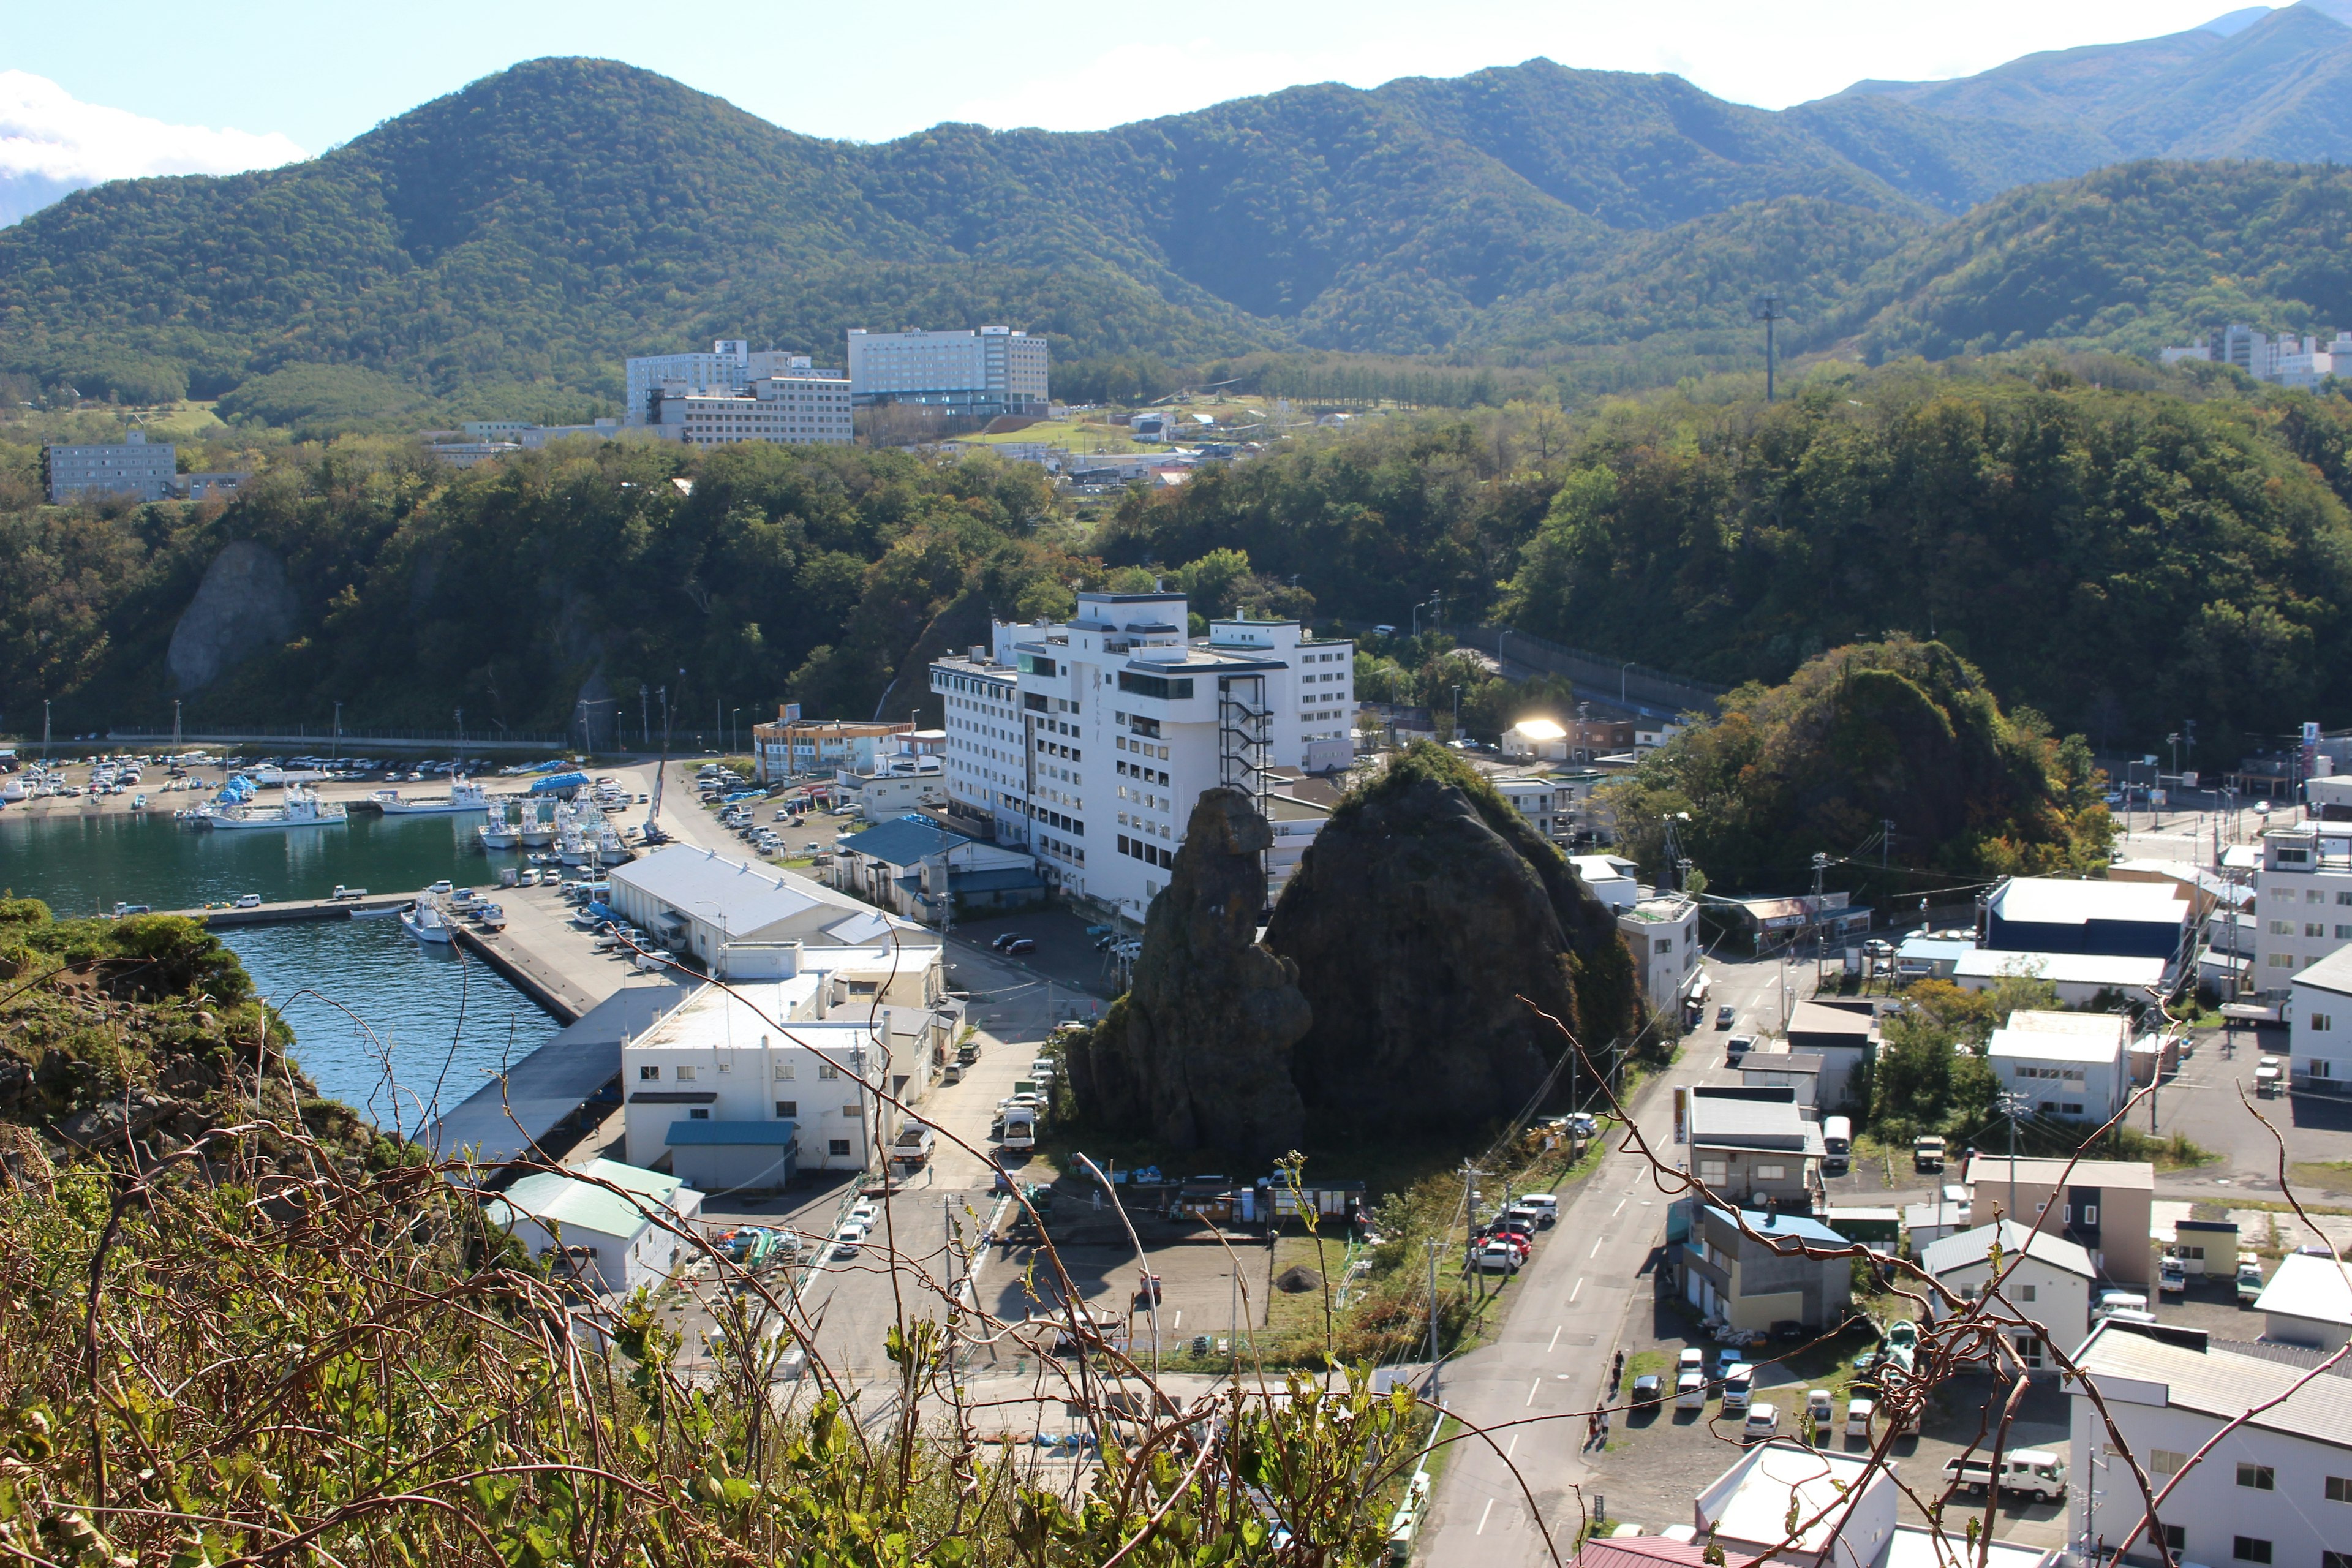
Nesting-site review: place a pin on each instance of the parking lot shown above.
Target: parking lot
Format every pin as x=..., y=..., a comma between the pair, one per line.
x=1659, y=1458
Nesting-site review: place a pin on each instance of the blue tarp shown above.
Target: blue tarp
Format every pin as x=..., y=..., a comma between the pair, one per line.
x=743, y=794
x=598, y=909
x=560, y=782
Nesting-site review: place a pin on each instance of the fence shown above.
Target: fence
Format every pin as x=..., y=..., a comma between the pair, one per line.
x=1607, y=679
x=373, y=740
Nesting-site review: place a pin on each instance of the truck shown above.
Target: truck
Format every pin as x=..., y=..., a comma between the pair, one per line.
x=914, y=1143
x=2035, y=1473
x=1928, y=1152
x=2249, y=1279
x=2171, y=1276
x=1837, y=1144
x=1020, y=1127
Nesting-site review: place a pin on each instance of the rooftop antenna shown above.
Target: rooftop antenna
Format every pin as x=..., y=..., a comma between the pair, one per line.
x=1768, y=310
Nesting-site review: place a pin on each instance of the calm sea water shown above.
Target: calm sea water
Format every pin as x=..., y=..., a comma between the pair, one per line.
x=389, y=1029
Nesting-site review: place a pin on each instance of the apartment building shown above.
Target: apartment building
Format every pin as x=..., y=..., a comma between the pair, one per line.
x=2303, y=903
x=2283, y=361
x=2073, y=1066
x=1088, y=741
x=2107, y=1208
x=982, y=375
x=133, y=466
x=730, y=368
x=2276, y=1490
x=799, y=405
x=792, y=746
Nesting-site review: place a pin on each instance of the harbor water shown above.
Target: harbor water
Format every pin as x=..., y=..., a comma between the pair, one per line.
x=396, y=1031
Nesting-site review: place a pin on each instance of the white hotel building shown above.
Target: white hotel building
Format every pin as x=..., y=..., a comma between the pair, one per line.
x=985, y=373
x=1088, y=742
x=735, y=393
x=2303, y=901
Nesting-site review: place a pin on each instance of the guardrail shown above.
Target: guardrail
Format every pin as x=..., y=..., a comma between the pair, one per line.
x=1634, y=683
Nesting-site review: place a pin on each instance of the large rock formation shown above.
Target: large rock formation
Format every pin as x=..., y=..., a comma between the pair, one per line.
x=243, y=605
x=1426, y=908
x=1199, y=1051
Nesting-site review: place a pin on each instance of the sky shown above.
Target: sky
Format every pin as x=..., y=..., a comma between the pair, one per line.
x=94, y=93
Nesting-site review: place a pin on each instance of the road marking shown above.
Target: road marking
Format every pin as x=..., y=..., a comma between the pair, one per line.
x=1481, y=1517
x=1555, y=1332
x=1620, y=1209
x=1572, y=1295
x=1180, y=1320
x=1530, y=1399
x=1596, y=1246
x=1513, y=1447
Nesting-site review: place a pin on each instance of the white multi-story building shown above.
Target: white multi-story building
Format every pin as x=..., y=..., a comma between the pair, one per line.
x=742, y=1085
x=1662, y=933
x=1088, y=741
x=2277, y=1490
x=2303, y=901
x=2285, y=360
x=800, y=405
x=2067, y=1065
x=133, y=466
x=730, y=369
x=985, y=373
x=2045, y=1280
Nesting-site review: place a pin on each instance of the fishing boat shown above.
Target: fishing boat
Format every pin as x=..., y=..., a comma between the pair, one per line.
x=303, y=808
x=501, y=831
x=464, y=795
x=538, y=826
x=424, y=921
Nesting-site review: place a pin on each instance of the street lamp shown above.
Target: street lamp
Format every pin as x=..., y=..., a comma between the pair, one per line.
x=1620, y=682
x=731, y=714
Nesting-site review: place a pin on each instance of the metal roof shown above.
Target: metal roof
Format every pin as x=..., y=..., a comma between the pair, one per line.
x=2309, y=1287
x=1795, y=1226
x=737, y=897
x=2222, y=1382
x=554, y=1197
x=2331, y=973
x=904, y=842
x=1773, y=1124
x=2086, y=1038
x=1975, y=1247
x=2123, y=973
x=2057, y=900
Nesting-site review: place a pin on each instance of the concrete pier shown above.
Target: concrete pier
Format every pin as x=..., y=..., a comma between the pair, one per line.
x=294, y=909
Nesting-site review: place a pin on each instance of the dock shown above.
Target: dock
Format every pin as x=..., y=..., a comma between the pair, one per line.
x=292, y=911
x=515, y=1116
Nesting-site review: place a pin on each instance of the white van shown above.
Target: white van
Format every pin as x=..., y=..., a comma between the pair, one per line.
x=2113, y=1303
x=1837, y=1143
x=1690, y=1391
x=1738, y=1384
x=2036, y=1473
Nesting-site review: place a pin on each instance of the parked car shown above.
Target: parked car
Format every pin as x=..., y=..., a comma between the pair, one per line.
x=1692, y=1359
x=1739, y=1386
x=2172, y=1277
x=248, y=900
x=1690, y=1391
x=1019, y=945
x=1763, y=1422
x=1649, y=1390
x=2249, y=1279
x=1819, y=1412
x=848, y=1239
x=1546, y=1206
x=1499, y=1257
x=1857, y=1417
x=1739, y=1045
x=998, y=940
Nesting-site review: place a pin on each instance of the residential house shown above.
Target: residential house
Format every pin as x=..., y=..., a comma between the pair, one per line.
x=896, y=785
x=1662, y=933
x=1547, y=803
x=1537, y=740
x=2276, y=1489
x=610, y=1240
x=1844, y=1035
x=1844, y=1506
x=2045, y=1278
x=1754, y=1145
x=2107, y=1208
x=2319, y=1026
x=917, y=870
x=1790, y=1269
x=793, y=747
x=2072, y=1066
x=2307, y=1302
x=1611, y=878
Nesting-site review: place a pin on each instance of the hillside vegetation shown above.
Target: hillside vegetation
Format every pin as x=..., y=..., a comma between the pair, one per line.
x=1899, y=741
x=499, y=251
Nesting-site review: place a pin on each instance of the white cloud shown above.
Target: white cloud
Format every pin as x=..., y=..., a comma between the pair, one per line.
x=51, y=144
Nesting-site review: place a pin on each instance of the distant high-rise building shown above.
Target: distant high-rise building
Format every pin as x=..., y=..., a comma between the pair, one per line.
x=133, y=466
x=981, y=375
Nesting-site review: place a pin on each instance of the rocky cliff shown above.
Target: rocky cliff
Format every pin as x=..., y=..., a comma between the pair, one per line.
x=1199, y=1051
x=243, y=605
x=1424, y=911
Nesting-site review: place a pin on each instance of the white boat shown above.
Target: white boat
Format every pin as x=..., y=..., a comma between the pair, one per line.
x=464, y=795
x=12, y=791
x=424, y=921
x=501, y=831
x=303, y=808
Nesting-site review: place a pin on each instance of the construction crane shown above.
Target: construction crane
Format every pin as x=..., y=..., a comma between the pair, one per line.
x=653, y=832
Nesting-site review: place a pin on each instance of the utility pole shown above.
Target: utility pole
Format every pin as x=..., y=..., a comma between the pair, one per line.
x=1768, y=310
x=1885, y=840
x=175, y=724
x=339, y=732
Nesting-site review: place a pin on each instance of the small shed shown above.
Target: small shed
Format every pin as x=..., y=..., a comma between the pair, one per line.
x=1882, y=1228
x=2206, y=1247
x=612, y=1226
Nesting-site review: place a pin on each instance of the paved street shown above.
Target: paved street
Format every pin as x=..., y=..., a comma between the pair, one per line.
x=1546, y=1364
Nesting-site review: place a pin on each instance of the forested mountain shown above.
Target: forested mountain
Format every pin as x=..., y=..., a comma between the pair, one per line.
x=501, y=249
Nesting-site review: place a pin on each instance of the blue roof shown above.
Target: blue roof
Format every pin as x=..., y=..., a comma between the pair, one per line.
x=736, y=1133
x=904, y=842
x=1795, y=1226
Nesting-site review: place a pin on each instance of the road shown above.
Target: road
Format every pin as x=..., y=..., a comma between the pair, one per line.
x=1548, y=1362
